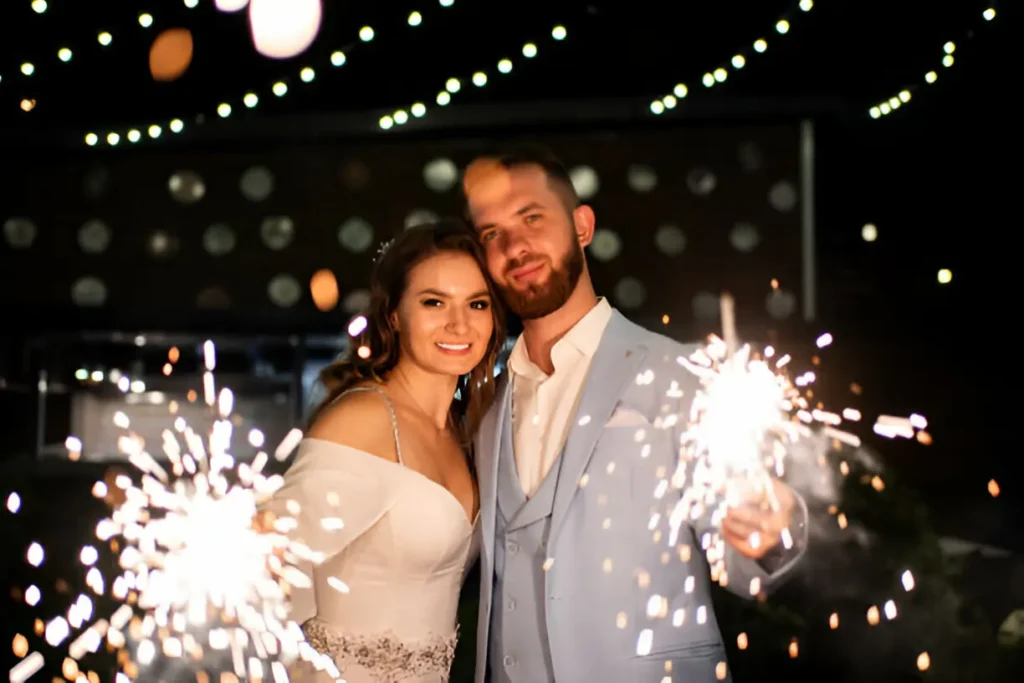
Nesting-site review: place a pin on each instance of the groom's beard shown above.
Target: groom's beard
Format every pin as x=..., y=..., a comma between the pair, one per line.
x=543, y=299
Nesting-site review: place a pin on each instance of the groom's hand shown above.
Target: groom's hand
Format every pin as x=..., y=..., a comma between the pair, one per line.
x=755, y=528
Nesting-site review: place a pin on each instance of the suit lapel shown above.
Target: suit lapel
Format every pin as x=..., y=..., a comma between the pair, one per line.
x=489, y=439
x=615, y=364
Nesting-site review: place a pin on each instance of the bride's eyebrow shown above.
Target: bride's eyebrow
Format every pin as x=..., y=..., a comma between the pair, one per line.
x=443, y=295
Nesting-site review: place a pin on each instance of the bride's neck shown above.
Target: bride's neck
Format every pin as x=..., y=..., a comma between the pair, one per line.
x=432, y=394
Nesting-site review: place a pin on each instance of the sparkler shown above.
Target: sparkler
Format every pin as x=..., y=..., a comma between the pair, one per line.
x=742, y=427
x=737, y=436
x=198, y=580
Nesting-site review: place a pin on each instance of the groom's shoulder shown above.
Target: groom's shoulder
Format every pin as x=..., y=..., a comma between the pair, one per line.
x=660, y=348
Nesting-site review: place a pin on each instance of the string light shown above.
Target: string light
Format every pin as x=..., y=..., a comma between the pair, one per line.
x=904, y=96
x=739, y=60
x=279, y=88
x=454, y=85
x=103, y=38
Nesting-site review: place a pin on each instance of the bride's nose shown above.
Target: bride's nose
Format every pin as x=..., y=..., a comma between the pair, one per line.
x=456, y=323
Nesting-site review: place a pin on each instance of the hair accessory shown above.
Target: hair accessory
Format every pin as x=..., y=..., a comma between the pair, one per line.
x=382, y=249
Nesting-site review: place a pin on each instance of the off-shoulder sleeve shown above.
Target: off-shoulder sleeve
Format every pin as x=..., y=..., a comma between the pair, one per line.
x=333, y=493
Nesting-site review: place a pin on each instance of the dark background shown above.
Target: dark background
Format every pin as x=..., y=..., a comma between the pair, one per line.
x=933, y=176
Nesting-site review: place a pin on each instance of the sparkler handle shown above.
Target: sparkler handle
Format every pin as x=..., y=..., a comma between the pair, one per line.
x=728, y=313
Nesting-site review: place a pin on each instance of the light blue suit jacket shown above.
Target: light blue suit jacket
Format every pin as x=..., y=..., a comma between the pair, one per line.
x=608, y=573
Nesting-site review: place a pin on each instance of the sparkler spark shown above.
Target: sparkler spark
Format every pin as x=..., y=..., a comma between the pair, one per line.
x=740, y=434
x=196, y=576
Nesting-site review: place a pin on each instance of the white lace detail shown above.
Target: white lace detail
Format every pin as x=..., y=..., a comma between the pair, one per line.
x=385, y=656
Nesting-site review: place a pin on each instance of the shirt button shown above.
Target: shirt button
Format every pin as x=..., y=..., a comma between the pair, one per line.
x=511, y=605
x=510, y=660
x=512, y=547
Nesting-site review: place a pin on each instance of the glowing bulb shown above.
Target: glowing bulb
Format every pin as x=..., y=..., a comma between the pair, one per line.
x=505, y=66
x=366, y=34
x=479, y=79
x=134, y=135
x=415, y=19
x=224, y=110
x=91, y=139
x=337, y=58
x=738, y=61
x=945, y=276
x=418, y=109
x=230, y=5
x=250, y=100
x=443, y=98
x=154, y=131
x=284, y=28
x=39, y=6
x=145, y=20
x=177, y=126
x=105, y=38
x=386, y=122
x=307, y=75
x=760, y=45
x=113, y=139
x=280, y=89
x=28, y=68
x=452, y=85
x=869, y=233
x=529, y=50
x=782, y=26
x=680, y=90
x=558, y=33
x=64, y=54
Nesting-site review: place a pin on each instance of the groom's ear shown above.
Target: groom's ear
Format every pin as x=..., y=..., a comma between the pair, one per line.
x=584, y=222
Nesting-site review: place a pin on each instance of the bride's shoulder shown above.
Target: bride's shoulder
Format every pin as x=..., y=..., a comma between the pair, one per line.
x=359, y=421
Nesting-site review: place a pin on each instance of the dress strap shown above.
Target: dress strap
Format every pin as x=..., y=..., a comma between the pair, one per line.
x=391, y=409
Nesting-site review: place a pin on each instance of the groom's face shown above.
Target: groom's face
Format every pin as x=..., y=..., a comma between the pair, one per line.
x=534, y=249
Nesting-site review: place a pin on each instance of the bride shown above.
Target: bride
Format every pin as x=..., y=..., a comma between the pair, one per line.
x=387, y=454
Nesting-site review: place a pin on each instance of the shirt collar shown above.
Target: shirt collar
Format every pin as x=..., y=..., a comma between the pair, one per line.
x=583, y=337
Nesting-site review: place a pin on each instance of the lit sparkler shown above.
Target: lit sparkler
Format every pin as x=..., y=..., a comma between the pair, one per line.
x=737, y=437
x=198, y=580
x=742, y=427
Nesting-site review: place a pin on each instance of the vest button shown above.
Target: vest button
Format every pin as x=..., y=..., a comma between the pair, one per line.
x=512, y=547
x=511, y=605
x=510, y=660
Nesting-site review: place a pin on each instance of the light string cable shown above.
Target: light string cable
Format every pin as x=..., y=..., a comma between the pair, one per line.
x=250, y=99
x=454, y=85
x=945, y=58
x=719, y=74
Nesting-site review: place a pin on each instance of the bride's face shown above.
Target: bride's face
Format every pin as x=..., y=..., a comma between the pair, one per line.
x=444, y=317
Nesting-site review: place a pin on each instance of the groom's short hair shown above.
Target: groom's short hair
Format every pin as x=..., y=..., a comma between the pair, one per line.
x=521, y=154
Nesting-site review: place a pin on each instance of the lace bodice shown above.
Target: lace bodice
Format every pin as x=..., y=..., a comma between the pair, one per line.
x=383, y=603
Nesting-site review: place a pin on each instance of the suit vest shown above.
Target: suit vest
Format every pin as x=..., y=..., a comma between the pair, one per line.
x=518, y=650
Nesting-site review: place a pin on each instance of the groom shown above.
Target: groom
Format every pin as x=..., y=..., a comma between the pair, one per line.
x=578, y=581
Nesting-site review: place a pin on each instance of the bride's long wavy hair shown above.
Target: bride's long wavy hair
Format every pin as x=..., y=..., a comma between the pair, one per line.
x=374, y=354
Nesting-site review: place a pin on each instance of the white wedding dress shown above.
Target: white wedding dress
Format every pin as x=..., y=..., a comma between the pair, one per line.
x=387, y=594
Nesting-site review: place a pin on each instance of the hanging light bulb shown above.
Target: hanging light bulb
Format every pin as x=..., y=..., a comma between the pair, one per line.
x=284, y=28
x=230, y=5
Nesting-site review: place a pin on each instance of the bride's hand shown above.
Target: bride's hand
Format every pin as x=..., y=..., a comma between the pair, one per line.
x=263, y=521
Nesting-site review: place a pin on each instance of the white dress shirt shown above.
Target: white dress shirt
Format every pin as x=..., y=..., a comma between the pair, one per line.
x=543, y=405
